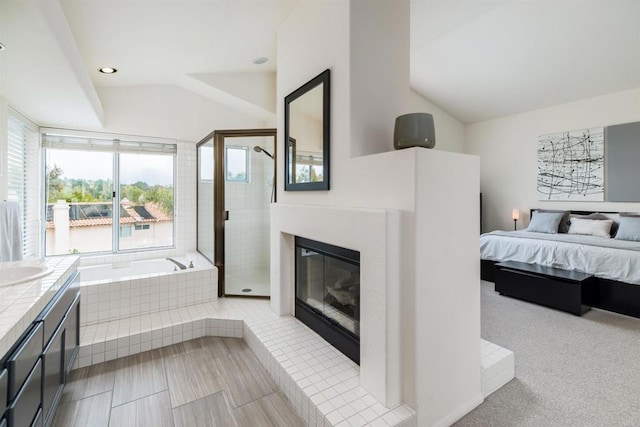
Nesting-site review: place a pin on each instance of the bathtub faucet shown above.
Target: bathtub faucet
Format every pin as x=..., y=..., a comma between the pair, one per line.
x=179, y=264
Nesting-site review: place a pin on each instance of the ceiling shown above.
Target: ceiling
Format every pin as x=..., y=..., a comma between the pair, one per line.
x=477, y=59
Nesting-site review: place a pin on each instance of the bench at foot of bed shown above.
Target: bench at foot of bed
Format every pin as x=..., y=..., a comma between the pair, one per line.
x=566, y=290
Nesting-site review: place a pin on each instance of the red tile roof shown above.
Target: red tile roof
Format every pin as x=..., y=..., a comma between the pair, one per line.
x=158, y=216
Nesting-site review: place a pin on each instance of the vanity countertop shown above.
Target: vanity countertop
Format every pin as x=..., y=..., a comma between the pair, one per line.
x=20, y=304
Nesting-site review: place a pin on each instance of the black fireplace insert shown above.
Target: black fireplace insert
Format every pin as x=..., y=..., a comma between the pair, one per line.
x=328, y=293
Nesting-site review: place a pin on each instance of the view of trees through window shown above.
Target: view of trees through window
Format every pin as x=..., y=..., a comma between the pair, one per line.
x=84, y=181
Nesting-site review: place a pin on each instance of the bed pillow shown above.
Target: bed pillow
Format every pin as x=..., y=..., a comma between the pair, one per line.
x=591, y=227
x=629, y=228
x=545, y=222
x=597, y=215
x=564, y=222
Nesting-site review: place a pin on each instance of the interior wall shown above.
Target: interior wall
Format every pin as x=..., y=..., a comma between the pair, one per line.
x=449, y=130
x=508, y=154
x=167, y=112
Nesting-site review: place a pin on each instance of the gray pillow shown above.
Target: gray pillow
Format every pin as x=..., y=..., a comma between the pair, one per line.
x=545, y=222
x=565, y=222
x=629, y=228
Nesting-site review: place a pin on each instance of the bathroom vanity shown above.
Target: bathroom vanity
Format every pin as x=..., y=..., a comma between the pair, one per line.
x=39, y=340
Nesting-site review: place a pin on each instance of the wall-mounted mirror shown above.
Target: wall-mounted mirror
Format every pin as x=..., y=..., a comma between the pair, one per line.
x=306, y=121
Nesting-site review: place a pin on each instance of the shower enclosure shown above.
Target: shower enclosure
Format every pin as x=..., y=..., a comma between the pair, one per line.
x=236, y=184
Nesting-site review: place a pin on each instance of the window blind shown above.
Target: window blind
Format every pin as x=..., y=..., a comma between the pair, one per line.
x=23, y=183
x=106, y=142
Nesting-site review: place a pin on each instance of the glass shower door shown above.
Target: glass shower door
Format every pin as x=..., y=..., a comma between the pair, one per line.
x=205, y=184
x=248, y=191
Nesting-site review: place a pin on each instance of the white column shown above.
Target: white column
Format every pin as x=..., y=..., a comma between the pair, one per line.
x=61, y=227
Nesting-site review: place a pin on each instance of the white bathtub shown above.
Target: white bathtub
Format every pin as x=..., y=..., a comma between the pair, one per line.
x=124, y=289
x=127, y=270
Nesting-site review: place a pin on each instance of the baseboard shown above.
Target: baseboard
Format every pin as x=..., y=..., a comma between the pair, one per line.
x=461, y=412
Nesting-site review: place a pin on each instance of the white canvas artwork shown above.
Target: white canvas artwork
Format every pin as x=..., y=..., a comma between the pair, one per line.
x=571, y=165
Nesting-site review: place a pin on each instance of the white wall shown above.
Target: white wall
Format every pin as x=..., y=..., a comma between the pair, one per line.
x=449, y=130
x=507, y=149
x=167, y=112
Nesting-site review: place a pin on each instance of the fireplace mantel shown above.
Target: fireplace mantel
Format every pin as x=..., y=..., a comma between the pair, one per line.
x=366, y=231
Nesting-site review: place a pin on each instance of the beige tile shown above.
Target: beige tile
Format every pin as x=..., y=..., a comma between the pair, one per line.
x=194, y=345
x=212, y=410
x=138, y=376
x=89, y=381
x=191, y=376
x=150, y=411
x=218, y=347
x=235, y=345
x=244, y=377
x=272, y=410
x=92, y=411
x=170, y=350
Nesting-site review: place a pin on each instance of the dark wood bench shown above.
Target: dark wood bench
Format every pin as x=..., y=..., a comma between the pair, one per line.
x=553, y=287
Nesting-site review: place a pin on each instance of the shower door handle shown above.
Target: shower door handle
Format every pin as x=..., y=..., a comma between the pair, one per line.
x=225, y=216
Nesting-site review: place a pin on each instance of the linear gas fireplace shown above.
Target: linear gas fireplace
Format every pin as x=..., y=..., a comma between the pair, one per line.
x=327, y=281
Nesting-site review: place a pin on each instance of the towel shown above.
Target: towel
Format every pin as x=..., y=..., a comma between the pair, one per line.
x=10, y=232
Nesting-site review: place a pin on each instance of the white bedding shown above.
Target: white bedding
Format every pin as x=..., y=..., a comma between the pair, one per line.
x=602, y=257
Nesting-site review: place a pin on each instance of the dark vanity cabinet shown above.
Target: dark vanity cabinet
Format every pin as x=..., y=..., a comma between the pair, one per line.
x=34, y=371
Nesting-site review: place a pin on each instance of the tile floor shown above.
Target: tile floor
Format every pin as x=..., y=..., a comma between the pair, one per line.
x=209, y=381
x=248, y=283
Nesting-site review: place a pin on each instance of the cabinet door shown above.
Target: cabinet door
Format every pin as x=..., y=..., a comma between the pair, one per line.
x=72, y=334
x=37, y=422
x=23, y=410
x=4, y=385
x=53, y=371
x=21, y=362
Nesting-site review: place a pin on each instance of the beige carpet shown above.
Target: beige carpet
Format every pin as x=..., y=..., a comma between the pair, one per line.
x=570, y=370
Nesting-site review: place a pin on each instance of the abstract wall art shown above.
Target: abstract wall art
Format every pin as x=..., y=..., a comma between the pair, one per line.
x=571, y=165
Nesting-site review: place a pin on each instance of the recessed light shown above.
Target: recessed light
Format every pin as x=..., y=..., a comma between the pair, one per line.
x=2, y=47
x=107, y=70
x=260, y=60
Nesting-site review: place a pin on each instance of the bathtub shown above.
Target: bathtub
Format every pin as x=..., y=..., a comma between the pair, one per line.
x=128, y=269
x=123, y=289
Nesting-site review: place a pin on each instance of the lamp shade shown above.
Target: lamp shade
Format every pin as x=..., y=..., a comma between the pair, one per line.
x=515, y=214
x=414, y=130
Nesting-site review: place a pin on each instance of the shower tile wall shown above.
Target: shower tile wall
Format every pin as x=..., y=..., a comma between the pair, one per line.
x=247, y=230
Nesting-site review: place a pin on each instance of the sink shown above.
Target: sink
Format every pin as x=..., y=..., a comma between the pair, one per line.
x=23, y=273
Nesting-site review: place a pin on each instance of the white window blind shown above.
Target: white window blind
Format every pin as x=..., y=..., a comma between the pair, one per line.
x=67, y=140
x=23, y=172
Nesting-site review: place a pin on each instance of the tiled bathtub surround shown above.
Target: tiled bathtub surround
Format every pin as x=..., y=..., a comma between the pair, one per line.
x=106, y=300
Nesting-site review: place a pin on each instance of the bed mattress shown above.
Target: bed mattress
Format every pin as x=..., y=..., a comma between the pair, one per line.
x=605, y=258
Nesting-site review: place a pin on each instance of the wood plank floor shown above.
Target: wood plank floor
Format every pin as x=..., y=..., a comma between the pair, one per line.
x=208, y=381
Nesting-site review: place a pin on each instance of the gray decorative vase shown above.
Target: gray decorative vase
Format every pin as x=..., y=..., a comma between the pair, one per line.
x=414, y=130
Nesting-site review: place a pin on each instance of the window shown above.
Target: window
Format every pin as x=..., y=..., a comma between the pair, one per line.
x=125, y=231
x=105, y=194
x=309, y=168
x=22, y=177
x=237, y=164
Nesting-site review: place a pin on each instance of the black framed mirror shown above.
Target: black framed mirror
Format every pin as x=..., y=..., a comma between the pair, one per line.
x=306, y=123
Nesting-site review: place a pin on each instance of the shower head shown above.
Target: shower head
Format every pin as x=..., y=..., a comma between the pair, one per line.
x=259, y=149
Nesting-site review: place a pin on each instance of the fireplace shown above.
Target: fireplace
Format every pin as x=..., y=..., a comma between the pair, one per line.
x=327, y=281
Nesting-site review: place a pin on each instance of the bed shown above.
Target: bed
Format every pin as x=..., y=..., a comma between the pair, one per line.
x=614, y=262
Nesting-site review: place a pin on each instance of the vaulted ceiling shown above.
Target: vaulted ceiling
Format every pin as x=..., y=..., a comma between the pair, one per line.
x=475, y=59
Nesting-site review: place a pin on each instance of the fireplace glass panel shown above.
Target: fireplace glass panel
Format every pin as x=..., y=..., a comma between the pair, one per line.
x=330, y=286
